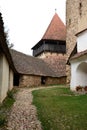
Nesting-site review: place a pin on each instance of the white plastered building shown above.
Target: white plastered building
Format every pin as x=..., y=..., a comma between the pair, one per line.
x=79, y=62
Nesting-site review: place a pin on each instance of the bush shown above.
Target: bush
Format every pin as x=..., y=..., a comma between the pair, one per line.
x=2, y=120
x=85, y=88
x=5, y=108
x=10, y=94
x=79, y=88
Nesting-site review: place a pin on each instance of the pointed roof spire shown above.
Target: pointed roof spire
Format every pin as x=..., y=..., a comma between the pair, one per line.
x=55, y=10
x=56, y=29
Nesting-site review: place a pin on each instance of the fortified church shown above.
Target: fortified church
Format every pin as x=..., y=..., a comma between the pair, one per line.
x=47, y=66
x=48, y=63
x=60, y=57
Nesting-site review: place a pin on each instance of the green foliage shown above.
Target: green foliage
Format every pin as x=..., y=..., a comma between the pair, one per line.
x=6, y=33
x=61, y=109
x=2, y=120
x=6, y=106
x=10, y=94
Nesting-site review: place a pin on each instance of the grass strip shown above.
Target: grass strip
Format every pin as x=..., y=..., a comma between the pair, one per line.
x=61, y=109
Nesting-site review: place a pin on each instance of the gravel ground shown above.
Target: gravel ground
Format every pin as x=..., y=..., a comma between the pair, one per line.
x=23, y=115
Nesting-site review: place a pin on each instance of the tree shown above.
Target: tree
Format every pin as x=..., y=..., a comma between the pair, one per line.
x=10, y=45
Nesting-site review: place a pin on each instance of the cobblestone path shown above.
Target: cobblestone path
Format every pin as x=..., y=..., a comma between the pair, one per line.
x=23, y=115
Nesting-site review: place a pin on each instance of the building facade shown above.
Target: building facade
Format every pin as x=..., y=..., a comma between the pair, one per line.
x=7, y=68
x=79, y=62
x=52, y=47
x=75, y=11
x=47, y=66
x=34, y=71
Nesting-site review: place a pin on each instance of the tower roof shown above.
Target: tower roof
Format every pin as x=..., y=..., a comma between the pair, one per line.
x=56, y=29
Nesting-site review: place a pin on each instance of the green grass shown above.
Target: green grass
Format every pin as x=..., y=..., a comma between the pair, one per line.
x=60, y=109
x=5, y=107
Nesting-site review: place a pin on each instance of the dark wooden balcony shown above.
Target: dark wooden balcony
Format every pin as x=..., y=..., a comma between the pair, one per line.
x=50, y=47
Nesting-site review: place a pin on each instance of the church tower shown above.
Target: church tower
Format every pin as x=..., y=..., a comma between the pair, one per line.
x=52, y=47
x=53, y=41
x=75, y=11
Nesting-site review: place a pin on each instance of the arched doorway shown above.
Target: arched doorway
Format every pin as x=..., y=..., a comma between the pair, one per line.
x=81, y=74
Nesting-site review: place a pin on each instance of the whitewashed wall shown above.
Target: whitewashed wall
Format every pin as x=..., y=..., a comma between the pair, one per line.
x=1, y=73
x=82, y=41
x=6, y=77
x=78, y=72
x=11, y=74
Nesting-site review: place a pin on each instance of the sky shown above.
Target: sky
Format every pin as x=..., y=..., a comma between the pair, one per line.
x=27, y=20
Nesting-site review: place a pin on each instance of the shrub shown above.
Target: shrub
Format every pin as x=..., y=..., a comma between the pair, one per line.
x=79, y=88
x=5, y=108
x=85, y=88
x=10, y=94
x=2, y=120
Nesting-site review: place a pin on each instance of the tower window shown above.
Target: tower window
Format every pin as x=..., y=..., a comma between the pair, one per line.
x=69, y=21
x=80, y=8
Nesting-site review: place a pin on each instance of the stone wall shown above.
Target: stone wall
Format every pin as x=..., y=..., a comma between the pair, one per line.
x=48, y=54
x=29, y=80
x=75, y=10
x=53, y=81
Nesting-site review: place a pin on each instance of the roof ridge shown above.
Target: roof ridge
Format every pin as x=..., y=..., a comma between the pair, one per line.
x=21, y=53
x=31, y=65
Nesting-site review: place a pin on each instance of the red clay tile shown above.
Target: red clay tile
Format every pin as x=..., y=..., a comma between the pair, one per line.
x=56, y=29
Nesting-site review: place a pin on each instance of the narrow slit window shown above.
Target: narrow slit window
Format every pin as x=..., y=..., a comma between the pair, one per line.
x=80, y=8
x=69, y=21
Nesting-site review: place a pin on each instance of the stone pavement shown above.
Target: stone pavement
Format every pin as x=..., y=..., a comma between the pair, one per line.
x=23, y=115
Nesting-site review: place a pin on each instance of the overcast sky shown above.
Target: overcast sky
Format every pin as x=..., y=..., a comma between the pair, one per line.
x=27, y=20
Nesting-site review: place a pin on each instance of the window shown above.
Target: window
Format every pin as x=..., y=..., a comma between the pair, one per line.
x=69, y=21
x=80, y=8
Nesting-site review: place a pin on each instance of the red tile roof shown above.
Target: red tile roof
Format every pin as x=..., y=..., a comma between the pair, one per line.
x=56, y=29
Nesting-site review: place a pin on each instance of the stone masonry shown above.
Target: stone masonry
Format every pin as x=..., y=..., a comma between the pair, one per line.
x=50, y=80
x=75, y=10
x=53, y=54
x=29, y=81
